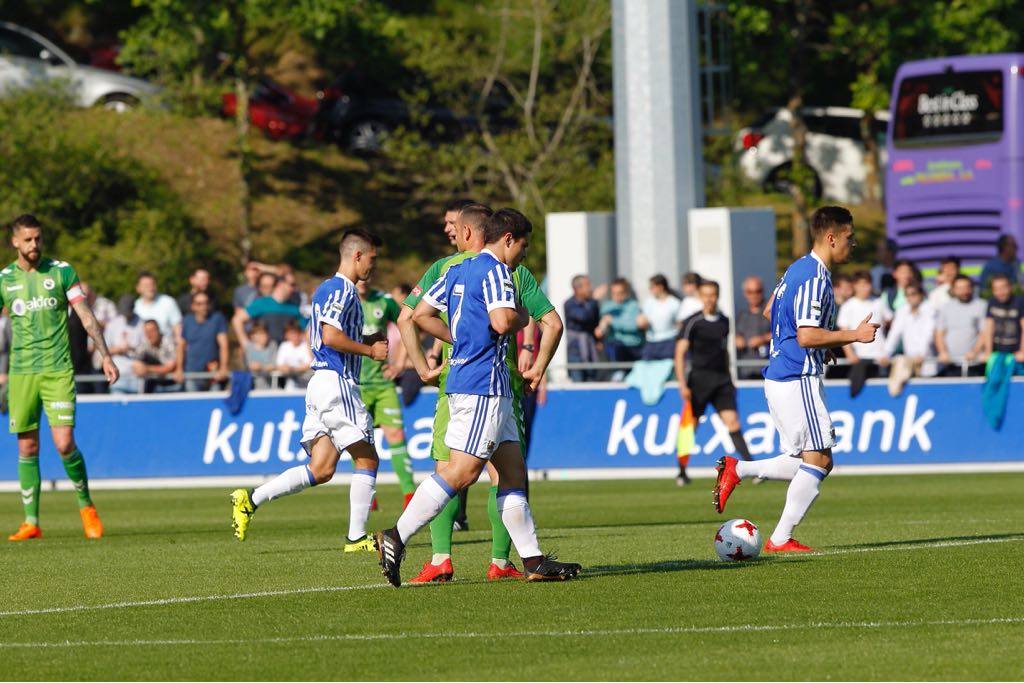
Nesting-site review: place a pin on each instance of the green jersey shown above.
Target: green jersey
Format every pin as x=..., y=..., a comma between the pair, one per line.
x=528, y=293
x=378, y=310
x=37, y=303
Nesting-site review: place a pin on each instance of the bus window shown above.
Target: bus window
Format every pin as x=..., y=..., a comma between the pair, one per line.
x=949, y=109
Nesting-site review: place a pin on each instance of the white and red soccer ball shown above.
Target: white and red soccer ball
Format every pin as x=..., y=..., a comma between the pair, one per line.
x=738, y=540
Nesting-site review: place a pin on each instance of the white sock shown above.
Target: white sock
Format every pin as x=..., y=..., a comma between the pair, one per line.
x=360, y=498
x=430, y=498
x=288, y=482
x=515, y=515
x=802, y=492
x=439, y=558
x=499, y=562
x=779, y=468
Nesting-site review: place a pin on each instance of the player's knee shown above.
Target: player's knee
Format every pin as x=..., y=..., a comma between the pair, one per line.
x=64, y=445
x=322, y=472
x=28, y=449
x=393, y=435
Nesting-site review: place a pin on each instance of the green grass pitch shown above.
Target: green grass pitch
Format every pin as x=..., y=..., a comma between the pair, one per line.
x=918, y=577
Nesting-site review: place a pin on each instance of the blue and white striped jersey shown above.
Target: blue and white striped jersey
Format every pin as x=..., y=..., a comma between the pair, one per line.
x=803, y=298
x=336, y=303
x=469, y=291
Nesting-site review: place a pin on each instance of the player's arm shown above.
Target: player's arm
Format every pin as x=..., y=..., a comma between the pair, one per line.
x=336, y=338
x=810, y=337
x=551, y=328
x=427, y=317
x=682, y=346
x=525, y=359
x=95, y=332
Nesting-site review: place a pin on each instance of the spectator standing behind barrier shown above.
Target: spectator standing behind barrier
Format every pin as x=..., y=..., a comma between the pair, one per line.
x=940, y=295
x=123, y=335
x=863, y=357
x=156, y=359
x=160, y=308
x=908, y=345
x=1004, y=263
x=753, y=331
x=904, y=274
x=881, y=272
x=958, y=328
x=203, y=344
x=274, y=311
x=582, y=315
x=691, y=302
x=842, y=289
x=260, y=355
x=1004, y=320
x=623, y=339
x=293, y=356
x=247, y=292
x=198, y=281
x=658, y=320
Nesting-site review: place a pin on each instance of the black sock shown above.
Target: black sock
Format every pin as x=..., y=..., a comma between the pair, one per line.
x=741, y=444
x=463, y=496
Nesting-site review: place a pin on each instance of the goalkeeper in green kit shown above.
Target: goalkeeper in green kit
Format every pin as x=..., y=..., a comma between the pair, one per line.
x=37, y=292
x=525, y=373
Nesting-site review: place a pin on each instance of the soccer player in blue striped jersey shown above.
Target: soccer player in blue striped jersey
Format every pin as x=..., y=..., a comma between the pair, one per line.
x=479, y=297
x=803, y=314
x=336, y=419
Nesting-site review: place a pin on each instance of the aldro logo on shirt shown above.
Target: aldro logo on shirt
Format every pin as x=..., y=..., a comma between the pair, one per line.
x=39, y=303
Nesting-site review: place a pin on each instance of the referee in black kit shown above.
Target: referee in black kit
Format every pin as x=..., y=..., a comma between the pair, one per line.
x=705, y=337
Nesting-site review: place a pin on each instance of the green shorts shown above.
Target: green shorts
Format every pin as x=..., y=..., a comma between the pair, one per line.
x=381, y=401
x=29, y=395
x=439, y=450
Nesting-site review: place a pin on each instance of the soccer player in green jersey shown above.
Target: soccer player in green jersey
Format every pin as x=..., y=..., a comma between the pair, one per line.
x=378, y=386
x=525, y=377
x=37, y=292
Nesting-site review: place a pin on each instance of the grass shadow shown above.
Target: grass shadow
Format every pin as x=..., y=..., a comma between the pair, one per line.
x=930, y=541
x=664, y=567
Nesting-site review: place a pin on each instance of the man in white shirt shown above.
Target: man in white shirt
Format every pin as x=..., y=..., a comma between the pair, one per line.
x=691, y=303
x=160, y=308
x=854, y=310
x=949, y=268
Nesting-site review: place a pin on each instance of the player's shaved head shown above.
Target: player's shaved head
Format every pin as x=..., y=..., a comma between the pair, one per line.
x=25, y=220
x=506, y=221
x=829, y=218
x=475, y=215
x=357, y=239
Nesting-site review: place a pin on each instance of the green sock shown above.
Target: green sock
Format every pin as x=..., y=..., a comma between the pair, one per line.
x=441, y=528
x=28, y=477
x=501, y=542
x=74, y=465
x=402, y=467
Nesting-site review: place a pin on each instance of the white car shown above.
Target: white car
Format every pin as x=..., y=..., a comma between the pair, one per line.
x=26, y=58
x=834, y=150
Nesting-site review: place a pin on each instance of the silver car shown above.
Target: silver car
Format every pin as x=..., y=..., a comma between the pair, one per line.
x=26, y=58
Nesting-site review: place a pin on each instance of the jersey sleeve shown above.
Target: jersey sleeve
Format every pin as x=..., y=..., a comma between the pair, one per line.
x=334, y=311
x=808, y=302
x=436, y=295
x=391, y=310
x=530, y=294
x=425, y=283
x=72, y=285
x=498, y=289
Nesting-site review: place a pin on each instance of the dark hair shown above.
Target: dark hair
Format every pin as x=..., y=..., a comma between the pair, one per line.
x=623, y=282
x=860, y=276
x=506, y=221
x=476, y=214
x=915, y=287
x=145, y=274
x=692, y=278
x=149, y=321
x=291, y=326
x=404, y=288
x=711, y=283
x=999, y=276
x=1003, y=240
x=659, y=280
x=841, y=278
x=257, y=326
x=951, y=259
x=25, y=220
x=829, y=218
x=961, y=276
x=357, y=238
x=206, y=294
x=456, y=205
x=576, y=279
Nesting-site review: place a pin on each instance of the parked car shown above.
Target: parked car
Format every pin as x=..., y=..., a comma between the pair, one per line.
x=278, y=112
x=835, y=150
x=27, y=58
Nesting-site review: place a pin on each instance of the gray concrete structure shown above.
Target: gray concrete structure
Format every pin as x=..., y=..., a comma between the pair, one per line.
x=659, y=170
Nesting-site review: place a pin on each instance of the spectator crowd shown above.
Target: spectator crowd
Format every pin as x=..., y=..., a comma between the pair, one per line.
x=950, y=327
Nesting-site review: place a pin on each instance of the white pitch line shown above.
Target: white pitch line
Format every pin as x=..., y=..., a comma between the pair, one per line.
x=668, y=630
x=909, y=545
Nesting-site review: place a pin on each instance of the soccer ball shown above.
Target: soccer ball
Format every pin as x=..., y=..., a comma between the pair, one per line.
x=738, y=540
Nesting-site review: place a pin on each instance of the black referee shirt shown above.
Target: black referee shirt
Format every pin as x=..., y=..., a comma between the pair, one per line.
x=709, y=340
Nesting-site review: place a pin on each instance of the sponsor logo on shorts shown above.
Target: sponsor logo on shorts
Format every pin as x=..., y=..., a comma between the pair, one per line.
x=65, y=417
x=49, y=284
x=61, y=405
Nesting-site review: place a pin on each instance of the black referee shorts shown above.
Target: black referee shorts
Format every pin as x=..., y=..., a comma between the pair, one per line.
x=711, y=387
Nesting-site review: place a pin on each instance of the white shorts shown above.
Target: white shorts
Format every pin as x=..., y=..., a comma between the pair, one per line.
x=801, y=418
x=334, y=407
x=478, y=424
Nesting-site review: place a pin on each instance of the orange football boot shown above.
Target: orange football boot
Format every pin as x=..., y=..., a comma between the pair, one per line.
x=496, y=573
x=25, y=532
x=91, y=522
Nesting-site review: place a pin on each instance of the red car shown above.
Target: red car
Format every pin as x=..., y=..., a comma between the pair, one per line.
x=279, y=113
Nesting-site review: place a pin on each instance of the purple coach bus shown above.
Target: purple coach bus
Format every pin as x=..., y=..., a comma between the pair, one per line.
x=955, y=176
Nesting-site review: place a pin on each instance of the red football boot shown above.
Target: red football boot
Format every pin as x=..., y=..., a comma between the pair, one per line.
x=435, y=573
x=406, y=499
x=727, y=481
x=496, y=573
x=373, y=505
x=790, y=546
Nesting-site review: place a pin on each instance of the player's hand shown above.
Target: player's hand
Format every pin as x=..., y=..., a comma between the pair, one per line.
x=432, y=377
x=379, y=350
x=684, y=392
x=390, y=372
x=110, y=370
x=525, y=360
x=533, y=377
x=865, y=332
